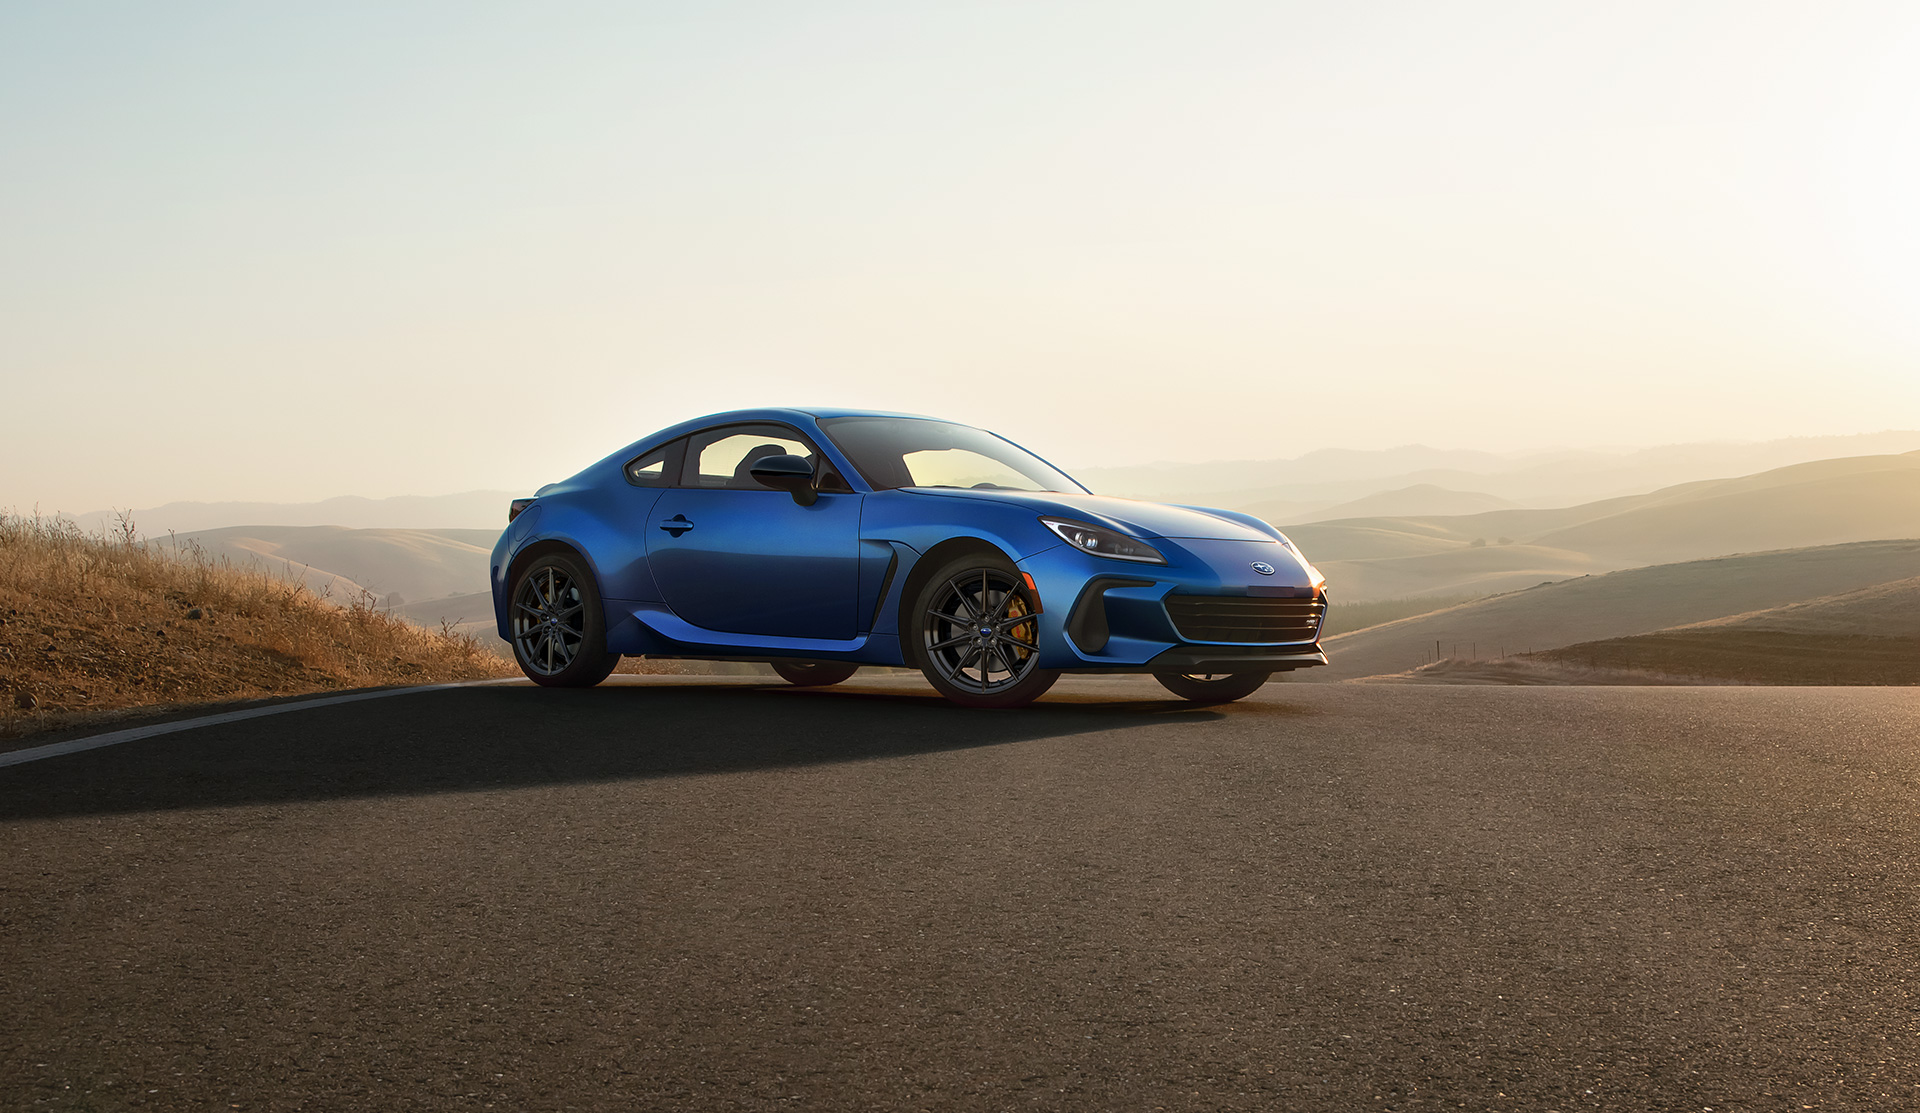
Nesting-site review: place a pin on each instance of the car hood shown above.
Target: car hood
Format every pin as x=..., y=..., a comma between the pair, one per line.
x=1142, y=519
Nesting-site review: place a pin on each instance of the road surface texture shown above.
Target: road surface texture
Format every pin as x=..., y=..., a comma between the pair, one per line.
x=672, y=893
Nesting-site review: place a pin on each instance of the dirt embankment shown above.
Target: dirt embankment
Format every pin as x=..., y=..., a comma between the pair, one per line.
x=1746, y=656
x=1693, y=655
x=94, y=627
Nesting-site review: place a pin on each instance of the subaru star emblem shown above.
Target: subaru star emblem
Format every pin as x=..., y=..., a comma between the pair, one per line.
x=1263, y=567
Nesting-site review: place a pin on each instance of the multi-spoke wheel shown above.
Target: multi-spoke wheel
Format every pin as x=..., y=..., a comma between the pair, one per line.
x=813, y=674
x=978, y=634
x=559, y=634
x=1212, y=687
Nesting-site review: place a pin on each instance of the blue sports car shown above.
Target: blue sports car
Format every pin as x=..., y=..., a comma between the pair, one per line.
x=822, y=540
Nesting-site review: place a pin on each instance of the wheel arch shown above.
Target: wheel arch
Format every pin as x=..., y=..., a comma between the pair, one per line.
x=923, y=569
x=527, y=555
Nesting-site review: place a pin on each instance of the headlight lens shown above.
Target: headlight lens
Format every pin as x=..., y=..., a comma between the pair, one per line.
x=1103, y=542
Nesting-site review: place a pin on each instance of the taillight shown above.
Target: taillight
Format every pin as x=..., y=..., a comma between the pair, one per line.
x=518, y=505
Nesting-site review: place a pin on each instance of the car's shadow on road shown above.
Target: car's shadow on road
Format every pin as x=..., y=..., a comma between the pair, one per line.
x=505, y=737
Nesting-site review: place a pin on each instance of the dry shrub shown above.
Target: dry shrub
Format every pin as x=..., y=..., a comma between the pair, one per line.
x=98, y=624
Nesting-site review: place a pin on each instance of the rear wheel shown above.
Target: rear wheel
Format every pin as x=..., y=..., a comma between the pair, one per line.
x=978, y=637
x=559, y=630
x=814, y=674
x=1212, y=687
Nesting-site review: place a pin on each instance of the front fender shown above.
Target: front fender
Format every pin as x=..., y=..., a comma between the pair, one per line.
x=921, y=521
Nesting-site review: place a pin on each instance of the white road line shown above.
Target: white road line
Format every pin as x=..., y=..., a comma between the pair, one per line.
x=134, y=734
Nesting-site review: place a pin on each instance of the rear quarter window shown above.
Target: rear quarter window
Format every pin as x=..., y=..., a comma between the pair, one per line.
x=657, y=468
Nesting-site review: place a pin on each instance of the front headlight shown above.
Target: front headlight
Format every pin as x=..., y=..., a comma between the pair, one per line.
x=1103, y=542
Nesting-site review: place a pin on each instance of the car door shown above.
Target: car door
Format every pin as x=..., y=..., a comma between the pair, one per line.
x=730, y=555
x=628, y=510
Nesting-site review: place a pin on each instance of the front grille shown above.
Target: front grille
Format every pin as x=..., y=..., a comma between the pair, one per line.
x=1243, y=620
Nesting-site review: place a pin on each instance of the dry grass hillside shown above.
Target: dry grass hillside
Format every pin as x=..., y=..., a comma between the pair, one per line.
x=1870, y=636
x=470, y=615
x=1889, y=610
x=1617, y=605
x=1743, y=655
x=91, y=628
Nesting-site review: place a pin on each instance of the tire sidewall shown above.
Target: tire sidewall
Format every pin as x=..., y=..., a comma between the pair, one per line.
x=1236, y=685
x=592, y=663
x=813, y=674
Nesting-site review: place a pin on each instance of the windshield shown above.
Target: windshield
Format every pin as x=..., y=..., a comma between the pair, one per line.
x=918, y=452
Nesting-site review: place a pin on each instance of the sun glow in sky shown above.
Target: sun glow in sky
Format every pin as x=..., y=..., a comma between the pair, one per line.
x=285, y=253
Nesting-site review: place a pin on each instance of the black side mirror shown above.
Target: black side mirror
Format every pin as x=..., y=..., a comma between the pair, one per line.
x=791, y=474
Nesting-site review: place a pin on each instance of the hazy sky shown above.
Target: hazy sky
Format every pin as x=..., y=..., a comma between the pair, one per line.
x=276, y=251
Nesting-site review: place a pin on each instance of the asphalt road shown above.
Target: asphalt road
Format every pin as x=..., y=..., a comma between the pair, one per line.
x=673, y=894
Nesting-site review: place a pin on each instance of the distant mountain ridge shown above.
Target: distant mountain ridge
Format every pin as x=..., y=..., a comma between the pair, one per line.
x=1421, y=498
x=465, y=510
x=1300, y=488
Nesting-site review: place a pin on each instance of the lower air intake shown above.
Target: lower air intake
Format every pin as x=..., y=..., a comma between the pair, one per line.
x=1245, y=621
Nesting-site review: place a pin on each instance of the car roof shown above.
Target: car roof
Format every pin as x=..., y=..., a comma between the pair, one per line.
x=789, y=413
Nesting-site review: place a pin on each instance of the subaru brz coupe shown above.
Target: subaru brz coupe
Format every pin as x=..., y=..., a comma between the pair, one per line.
x=818, y=541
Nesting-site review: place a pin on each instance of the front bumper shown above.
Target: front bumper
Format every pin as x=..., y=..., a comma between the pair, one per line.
x=1101, y=615
x=1221, y=658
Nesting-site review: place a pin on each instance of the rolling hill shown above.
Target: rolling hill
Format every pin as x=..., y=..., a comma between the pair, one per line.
x=413, y=564
x=1559, y=478
x=1870, y=636
x=433, y=574
x=1419, y=499
x=466, y=510
x=1460, y=570
x=1823, y=503
x=1619, y=604
x=1889, y=610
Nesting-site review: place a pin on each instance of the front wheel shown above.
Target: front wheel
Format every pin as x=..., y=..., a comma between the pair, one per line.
x=813, y=674
x=1212, y=687
x=559, y=632
x=978, y=637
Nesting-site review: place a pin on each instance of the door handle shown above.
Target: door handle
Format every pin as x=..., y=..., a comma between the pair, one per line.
x=676, y=525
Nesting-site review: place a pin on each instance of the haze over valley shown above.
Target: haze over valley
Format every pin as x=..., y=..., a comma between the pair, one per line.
x=1494, y=564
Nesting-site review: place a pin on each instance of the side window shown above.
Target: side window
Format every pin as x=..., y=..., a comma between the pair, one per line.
x=656, y=468
x=722, y=458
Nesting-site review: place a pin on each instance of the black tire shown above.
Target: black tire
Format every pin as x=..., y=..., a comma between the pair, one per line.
x=998, y=668
x=813, y=674
x=559, y=629
x=1222, y=687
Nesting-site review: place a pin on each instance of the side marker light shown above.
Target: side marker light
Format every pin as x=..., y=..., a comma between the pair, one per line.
x=1031, y=586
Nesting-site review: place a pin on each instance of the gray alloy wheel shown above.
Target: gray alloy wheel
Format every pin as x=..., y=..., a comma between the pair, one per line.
x=558, y=638
x=978, y=635
x=813, y=674
x=1212, y=687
